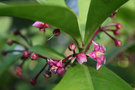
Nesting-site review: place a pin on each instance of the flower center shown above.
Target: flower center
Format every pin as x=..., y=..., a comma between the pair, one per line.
x=99, y=54
x=54, y=68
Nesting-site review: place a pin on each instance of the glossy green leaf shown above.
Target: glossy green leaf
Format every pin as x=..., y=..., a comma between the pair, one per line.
x=46, y=51
x=58, y=16
x=81, y=77
x=8, y=61
x=99, y=10
x=83, y=11
x=55, y=2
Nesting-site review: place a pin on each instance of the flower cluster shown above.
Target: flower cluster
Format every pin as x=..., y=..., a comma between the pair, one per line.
x=60, y=66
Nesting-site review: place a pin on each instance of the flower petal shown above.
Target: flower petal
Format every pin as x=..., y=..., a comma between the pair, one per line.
x=81, y=57
x=98, y=65
x=92, y=54
x=59, y=64
x=96, y=46
x=61, y=71
x=102, y=49
x=38, y=24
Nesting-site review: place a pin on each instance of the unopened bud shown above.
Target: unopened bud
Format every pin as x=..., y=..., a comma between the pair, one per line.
x=72, y=46
x=34, y=56
x=118, y=26
x=47, y=74
x=16, y=32
x=26, y=54
x=56, y=32
x=118, y=43
x=9, y=42
x=18, y=71
x=46, y=25
x=116, y=32
x=4, y=53
x=33, y=81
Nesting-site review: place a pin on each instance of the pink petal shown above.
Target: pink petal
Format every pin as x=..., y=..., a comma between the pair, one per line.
x=96, y=46
x=59, y=64
x=61, y=71
x=46, y=25
x=102, y=49
x=98, y=65
x=54, y=71
x=81, y=57
x=92, y=54
x=102, y=59
x=51, y=62
x=38, y=24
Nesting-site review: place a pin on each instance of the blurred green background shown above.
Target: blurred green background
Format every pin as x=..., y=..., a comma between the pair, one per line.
x=121, y=60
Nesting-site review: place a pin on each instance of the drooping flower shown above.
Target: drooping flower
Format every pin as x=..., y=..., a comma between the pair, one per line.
x=57, y=67
x=40, y=25
x=98, y=54
x=81, y=57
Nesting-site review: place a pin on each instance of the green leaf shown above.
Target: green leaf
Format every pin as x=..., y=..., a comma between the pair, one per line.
x=81, y=77
x=58, y=16
x=55, y=2
x=46, y=51
x=99, y=10
x=114, y=51
x=83, y=11
x=8, y=61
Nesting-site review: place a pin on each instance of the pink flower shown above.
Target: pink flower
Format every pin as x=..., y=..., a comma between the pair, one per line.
x=41, y=25
x=57, y=67
x=81, y=57
x=98, y=54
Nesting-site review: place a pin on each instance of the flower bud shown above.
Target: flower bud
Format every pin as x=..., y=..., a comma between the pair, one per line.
x=118, y=43
x=33, y=81
x=61, y=71
x=46, y=25
x=4, y=53
x=26, y=54
x=116, y=32
x=118, y=26
x=9, y=42
x=56, y=32
x=72, y=47
x=16, y=32
x=18, y=71
x=81, y=58
x=47, y=74
x=34, y=56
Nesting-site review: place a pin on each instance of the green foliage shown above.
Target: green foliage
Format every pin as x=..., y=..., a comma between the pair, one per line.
x=9, y=60
x=58, y=16
x=81, y=77
x=46, y=51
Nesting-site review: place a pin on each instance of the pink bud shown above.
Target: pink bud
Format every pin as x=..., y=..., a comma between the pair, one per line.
x=9, y=42
x=61, y=71
x=25, y=54
x=81, y=57
x=116, y=32
x=46, y=25
x=34, y=56
x=56, y=32
x=38, y=24
x=33, y=81
x=118, y=43
x=18, y=71
x=72, y=46
x=118, y=26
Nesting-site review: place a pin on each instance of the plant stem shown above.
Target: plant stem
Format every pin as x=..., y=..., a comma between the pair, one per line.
x=87, y=48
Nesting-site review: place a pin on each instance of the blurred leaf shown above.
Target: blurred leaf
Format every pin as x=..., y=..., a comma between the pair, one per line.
x=60, y=17
x=81, y=77
x=55, y=2
x=83, y=11
x=8, y=61
x=114, y=51
x=46, y=51
x=99, y=10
